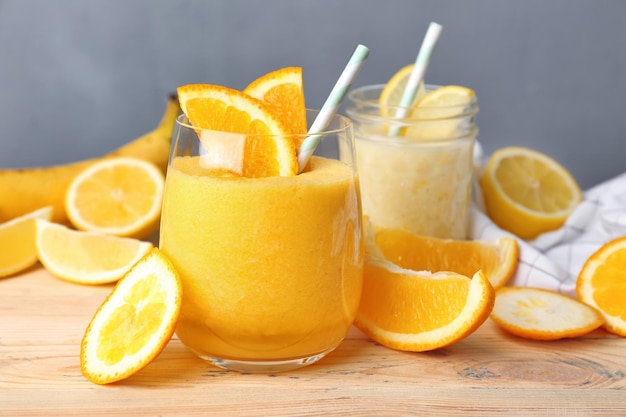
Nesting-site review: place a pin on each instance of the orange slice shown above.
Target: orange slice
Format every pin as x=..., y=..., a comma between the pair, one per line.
x=528, y=193
x=539, y=314
x=283, y=92
x=117, y=196
x=17, y=240
x=601, y=284
x=135, y=323
x=260, y=144
x=86, y=257
x=497, y=259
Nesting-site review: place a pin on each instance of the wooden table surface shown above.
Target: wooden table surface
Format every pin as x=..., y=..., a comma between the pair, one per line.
x=42, y=320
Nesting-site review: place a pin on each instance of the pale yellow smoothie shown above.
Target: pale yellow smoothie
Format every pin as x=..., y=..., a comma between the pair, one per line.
x=271, y=267
x=422, y=186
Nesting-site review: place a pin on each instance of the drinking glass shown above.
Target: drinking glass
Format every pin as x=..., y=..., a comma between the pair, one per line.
x=271, y=267
x=420, y=180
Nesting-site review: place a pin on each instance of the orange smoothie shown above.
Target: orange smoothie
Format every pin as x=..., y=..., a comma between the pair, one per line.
x=271, y=267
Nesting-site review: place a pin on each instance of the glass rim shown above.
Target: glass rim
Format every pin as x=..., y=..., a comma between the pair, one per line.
x=344, y=122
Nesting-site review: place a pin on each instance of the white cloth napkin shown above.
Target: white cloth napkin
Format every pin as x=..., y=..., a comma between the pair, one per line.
x=554, y=259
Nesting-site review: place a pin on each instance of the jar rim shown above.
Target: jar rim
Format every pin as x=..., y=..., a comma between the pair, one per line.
x=363, y=105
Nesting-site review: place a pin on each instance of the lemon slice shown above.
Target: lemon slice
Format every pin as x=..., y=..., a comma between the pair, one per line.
x=528, y=193
x=445, y=102
x=438, y=113
x=394, y=89
x=539, y=314
x=117, y=196
x=86, y=257
x=134, y=323
x=17, y=240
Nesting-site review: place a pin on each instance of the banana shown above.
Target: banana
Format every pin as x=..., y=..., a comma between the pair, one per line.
x=28, y=189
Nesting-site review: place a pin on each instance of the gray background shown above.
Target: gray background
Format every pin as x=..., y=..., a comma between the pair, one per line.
x=81, y=77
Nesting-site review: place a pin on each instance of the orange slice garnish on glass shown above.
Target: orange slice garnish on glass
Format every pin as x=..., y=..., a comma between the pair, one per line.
x=260, y=141
x=283, y=92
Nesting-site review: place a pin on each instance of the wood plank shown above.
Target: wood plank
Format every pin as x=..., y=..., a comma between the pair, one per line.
x=42, y=320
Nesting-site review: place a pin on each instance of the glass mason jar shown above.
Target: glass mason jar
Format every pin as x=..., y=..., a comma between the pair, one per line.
x=420, y=179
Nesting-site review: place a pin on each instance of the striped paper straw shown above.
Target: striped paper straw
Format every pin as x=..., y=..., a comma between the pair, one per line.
x=331, y=105
x=417, y=75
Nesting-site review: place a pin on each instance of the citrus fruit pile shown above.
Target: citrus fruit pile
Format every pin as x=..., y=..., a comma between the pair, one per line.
x=546, y=315
x=422, y=293
x=527, y=193
x=112, y=204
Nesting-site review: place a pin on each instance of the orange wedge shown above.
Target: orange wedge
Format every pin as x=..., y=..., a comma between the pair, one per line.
x=17, y=240
x=283, y=92
x=601, y=284
x=497, y=259
x=418, y=311
x=540, y=314
x=264, y=145
x=134, y=323
x=411, y=310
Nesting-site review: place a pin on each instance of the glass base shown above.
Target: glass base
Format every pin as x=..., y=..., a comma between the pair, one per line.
x=270, y=366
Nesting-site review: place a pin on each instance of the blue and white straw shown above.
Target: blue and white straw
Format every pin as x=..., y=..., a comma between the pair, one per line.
x=331, y=105
x=417, y=75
